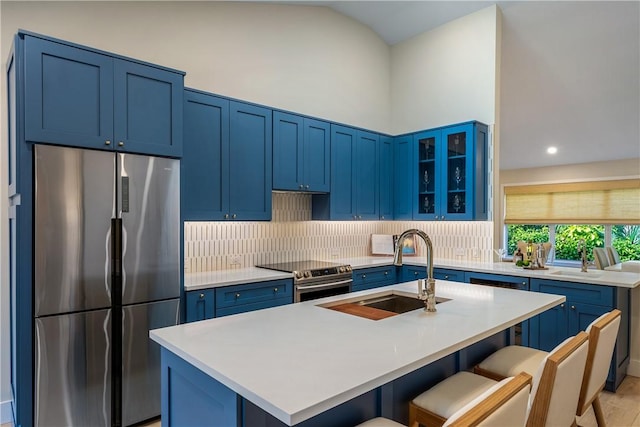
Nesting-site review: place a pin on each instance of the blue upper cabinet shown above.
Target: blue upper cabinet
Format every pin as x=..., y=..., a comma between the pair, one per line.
x=250, y=157
x=147, y=109
x=354, y=177
x=403, y=161
x=80, y=97
x=204, y=166
x=301, y=153
x=385, y=170
x=450, y=179
x=226, y=165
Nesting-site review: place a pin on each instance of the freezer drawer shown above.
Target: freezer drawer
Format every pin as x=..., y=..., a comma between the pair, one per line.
x=73, y=369
x=141, y=358
x=74, y=204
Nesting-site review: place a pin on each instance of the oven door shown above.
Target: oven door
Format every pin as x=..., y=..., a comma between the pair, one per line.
x=307, y=292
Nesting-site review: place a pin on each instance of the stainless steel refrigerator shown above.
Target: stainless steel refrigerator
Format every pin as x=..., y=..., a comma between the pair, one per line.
x=107, y=269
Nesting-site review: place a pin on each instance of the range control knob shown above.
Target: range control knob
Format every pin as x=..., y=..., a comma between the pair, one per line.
x=298, y=274
x=342, y=269
x=348, y=268
x=307, y=273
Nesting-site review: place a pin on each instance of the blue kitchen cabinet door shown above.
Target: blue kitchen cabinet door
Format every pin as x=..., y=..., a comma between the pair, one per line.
x=427, y=175
x=200, y=305
x=250, y=162
x=204, y=168
x=463, y=176
x=301, y=153
x=403, y=164
x=367, y=176
x=450, y=176
x=385, y=171
x=447, y=274
x=374, y=277
x=68, y=95
x=413, y=272
x=78, y=97
x=148, y=109
x=253, y=296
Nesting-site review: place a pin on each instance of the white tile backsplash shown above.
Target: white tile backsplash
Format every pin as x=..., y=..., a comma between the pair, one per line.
x=292, y=235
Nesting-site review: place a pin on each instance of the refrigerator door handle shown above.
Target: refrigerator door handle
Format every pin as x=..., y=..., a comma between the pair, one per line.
x=116, y=250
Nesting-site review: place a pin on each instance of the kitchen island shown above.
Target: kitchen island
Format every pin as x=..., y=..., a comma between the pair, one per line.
x=304, y=364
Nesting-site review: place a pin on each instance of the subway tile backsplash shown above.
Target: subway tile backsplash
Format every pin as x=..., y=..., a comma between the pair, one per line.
x=292, y=235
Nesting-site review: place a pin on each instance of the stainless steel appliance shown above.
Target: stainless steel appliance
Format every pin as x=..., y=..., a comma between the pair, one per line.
x=107, y=269
x=316, y=279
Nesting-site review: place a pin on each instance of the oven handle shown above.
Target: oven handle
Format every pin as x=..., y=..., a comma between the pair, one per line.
x=324, y=285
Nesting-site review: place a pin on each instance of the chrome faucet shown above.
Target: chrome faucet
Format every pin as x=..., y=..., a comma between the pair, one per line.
x=582, y=247
x=428, y=294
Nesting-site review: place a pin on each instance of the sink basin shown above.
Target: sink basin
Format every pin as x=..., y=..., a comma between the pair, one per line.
x=576, y=273
x=396, y=303
x=381, y=305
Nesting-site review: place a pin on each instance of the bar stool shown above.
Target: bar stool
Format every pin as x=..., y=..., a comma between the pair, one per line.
x=560, y=374
x=602, y=337
x=504, y=404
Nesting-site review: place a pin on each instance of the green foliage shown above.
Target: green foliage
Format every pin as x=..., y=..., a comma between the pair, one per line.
x=627, y=249
x=535, y=233
x=568, y=236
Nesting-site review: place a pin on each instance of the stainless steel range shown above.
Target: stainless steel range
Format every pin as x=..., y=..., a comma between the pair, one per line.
x=315, y=279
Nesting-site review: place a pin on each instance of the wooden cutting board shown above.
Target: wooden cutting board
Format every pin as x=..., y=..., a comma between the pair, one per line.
x=363, y=311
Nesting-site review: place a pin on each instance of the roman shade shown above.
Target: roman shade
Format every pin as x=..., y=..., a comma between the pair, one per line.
x=598, y=202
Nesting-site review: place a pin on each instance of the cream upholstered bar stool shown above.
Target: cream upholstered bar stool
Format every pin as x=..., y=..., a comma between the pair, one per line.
x=504, y=404
x=602, y=332
x=559, y=375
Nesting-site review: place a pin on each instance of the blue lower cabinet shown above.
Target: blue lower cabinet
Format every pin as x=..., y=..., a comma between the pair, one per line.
x=585, y=303
x=253, y=296
x=375, y=277
x=447, y=274
x=412, y=272
x=200, y=305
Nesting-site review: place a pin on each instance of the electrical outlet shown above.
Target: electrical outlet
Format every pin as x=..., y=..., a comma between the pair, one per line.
x=476, y=253
x=234, y=260
x=459, y=251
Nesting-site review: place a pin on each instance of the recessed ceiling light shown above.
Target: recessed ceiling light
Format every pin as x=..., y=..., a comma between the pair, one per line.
x=552, y=150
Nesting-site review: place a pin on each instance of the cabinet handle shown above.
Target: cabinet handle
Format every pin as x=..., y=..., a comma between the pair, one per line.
x=524, y=283
x=355, y=217
x=120, y=144
x=386, y=273
x=306, y=186
x=436, y=217
x=237, y=296
x=226, y=216
x=201, y=296
x=573, y=307
x=381, y=216
x=275, y=290
x=442, y=218
x=364, y=276
x=561, y=305
x=234, y=216
x=359, y=216
x=107, y=142
x=301, y=186
x=415, y=273
x=446, y=277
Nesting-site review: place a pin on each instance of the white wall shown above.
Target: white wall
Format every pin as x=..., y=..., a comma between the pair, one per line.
x=446, y=75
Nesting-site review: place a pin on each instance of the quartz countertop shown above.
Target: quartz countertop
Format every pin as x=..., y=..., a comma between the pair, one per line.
x=299, y=360
x=623, y=279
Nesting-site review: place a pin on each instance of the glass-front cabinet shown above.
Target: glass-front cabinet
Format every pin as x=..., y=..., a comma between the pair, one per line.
x=451, y=174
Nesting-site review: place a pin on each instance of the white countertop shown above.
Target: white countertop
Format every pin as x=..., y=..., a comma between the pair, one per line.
x=623, y=279
x=299, y=360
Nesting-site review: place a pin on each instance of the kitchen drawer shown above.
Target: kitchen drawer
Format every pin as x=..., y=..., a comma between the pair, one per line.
x=374, y=277
x=577, y=292
x=413, y=272
x=200, y=305
x=258, y=295
x=446, y=274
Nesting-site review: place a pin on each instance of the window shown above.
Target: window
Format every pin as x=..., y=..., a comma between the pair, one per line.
x=565, y=237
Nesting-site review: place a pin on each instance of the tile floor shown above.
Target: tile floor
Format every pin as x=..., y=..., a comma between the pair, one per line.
x=621, y=409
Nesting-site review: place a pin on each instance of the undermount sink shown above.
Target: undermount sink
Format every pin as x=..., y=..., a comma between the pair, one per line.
x=577, y=273
x=381, y=305
x=396, y=303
